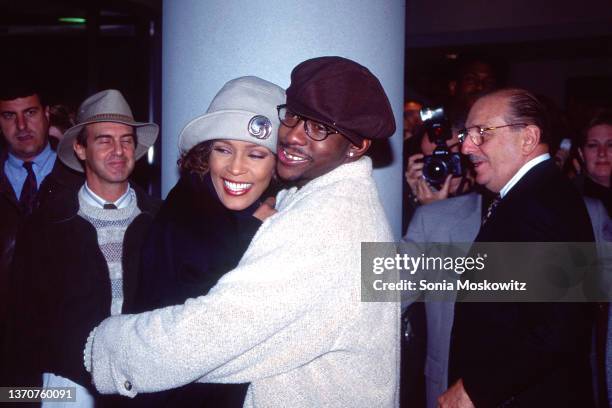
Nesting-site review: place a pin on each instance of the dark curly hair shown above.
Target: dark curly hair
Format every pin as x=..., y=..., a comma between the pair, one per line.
x=195, y=161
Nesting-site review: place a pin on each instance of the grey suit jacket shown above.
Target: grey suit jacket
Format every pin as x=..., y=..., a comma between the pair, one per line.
x=455, y=219
x=602, y=230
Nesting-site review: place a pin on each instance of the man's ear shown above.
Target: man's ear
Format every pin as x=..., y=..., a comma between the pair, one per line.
x=355, y=152
x=79, y=150
x=530, y=139
x=47, y=114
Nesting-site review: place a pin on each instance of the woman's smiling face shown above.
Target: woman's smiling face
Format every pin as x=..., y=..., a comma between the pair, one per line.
x=597, y=151
x=240, y=172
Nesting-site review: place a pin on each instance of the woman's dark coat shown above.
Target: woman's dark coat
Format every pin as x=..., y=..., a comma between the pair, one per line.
x=193, y=242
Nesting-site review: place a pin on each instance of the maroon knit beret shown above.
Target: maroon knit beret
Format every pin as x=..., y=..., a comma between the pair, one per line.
x=342, y=94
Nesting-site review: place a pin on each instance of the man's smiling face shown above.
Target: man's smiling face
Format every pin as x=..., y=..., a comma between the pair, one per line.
x=301, y=159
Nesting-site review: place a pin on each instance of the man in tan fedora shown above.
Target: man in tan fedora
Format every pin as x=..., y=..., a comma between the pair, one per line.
x=90, y=242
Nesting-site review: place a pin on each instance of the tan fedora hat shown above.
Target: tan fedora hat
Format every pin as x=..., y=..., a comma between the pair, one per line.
x=105, y=106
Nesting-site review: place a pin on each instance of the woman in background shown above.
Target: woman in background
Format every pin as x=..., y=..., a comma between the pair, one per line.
x=596, y=153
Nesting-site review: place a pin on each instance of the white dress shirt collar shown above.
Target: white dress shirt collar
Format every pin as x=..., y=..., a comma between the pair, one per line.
x=95, y=200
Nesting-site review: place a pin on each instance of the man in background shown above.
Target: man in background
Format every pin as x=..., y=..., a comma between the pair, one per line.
x=28, y=169
x=76, y=260
x=528, y=354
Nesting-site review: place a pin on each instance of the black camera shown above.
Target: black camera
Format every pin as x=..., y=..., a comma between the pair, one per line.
x=442, y=162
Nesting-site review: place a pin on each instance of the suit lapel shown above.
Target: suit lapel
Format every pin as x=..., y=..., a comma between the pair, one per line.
x=496, y=229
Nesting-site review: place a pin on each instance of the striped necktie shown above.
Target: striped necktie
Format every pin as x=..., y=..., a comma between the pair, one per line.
x=491, y=209
x=29, y=189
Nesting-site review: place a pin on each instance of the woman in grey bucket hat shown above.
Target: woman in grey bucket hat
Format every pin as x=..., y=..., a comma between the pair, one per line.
x=209, y=218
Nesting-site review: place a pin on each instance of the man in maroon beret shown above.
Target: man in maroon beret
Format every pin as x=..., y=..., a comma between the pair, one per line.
x=335, y=108
x=289, y=318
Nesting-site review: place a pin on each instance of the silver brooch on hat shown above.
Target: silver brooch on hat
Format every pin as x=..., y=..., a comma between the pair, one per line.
x=260, y=127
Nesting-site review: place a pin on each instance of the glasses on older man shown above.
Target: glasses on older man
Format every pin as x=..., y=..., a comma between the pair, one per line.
x=315, y=130
x=477, y=133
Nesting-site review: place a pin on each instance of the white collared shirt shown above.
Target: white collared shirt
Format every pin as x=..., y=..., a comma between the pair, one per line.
x=522, y=171
x=17, y=174
x=95, y=200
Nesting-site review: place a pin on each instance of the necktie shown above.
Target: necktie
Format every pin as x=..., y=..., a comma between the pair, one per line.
x=491, y=209
x=110, y=206
x=29, y=189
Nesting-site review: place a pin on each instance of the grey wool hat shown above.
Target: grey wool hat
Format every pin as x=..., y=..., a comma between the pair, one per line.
x=244, y=109
x=105, y=106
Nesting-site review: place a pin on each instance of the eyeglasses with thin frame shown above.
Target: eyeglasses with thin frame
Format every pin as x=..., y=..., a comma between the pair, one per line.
x=478, y=137
x=315, y=130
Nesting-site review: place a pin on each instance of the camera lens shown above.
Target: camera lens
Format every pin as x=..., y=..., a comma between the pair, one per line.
x=435, y=171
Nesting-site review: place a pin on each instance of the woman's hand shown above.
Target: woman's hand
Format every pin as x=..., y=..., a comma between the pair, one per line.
x=266, y=209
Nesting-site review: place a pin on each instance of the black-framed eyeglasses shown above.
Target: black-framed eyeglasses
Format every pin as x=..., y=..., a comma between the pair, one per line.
x=315, y=130
x=476, y=133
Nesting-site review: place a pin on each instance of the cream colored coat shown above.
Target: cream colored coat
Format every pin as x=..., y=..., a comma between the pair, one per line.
x=288, y=319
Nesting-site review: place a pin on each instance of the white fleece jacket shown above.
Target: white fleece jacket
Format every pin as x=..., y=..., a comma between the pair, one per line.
x=288, y=319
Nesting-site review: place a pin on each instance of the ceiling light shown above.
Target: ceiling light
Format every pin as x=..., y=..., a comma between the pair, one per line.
x=73, y=20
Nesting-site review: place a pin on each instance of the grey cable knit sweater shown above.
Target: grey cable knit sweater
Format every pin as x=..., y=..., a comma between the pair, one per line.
x=110, y=228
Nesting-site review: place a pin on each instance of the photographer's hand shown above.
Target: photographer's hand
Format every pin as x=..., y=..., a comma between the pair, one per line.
x=414, y=171
x=426, y=195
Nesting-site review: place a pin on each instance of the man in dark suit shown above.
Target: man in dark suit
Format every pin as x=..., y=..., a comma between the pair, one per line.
x=512, y=354
x=29, y=171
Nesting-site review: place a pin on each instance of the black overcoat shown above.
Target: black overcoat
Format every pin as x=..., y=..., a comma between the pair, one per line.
x=60, y=288
x=194, y=241
x=528, y=354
